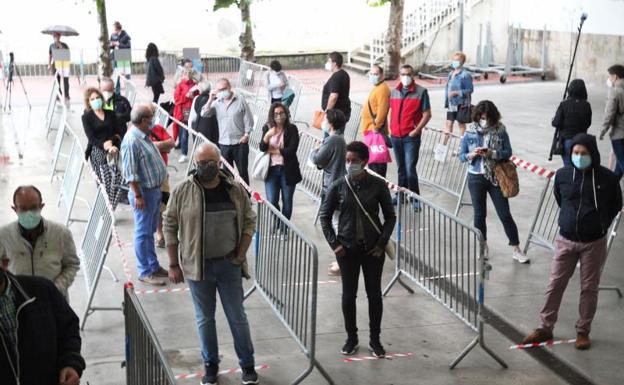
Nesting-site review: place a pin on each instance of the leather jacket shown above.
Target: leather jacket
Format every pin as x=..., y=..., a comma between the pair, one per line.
x=373, y=193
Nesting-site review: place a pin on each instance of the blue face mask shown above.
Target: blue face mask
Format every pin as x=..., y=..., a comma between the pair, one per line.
x=373, y=79
x=96, y=104
x=581, y=161
x=29, y=219
x=455, y=64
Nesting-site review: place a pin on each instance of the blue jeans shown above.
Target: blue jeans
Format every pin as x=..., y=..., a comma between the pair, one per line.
x=479, y=188
x=567, y=149
x=145, y=224
x=226, y=277
x=406, y=150
x=276, y=181
x=184, y=139
x=618, y=151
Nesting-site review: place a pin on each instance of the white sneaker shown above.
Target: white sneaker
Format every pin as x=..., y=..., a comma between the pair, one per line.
x=519, y=256
x=333, y=269
x=183, y=159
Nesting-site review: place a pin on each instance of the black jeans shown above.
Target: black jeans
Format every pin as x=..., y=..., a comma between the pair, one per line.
x=379, y=168
x=372, y=267
x=65, y=85
x=157, y=89
x=479, y=188
x=239, y=154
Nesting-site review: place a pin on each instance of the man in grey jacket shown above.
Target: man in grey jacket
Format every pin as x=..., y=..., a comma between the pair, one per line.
x=613, y=122
x=208, y=226
x=235, y=125
x=36, y=246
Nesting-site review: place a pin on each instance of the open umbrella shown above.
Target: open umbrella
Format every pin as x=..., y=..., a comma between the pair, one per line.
x=63, y=30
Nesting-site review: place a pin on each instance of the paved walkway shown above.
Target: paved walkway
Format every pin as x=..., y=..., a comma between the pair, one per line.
x=413, y=324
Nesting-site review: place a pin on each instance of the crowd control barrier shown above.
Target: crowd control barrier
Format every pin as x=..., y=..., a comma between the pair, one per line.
x=312, y=178
x=251, y=81
x=260, y=112
x=296, y=86
x=58, y=143
x=439, y=166
x=52, y=103
x=286, y=275
x=442, y=255
x=218, y=67
x=130, y=91
x=146, y=362
x=71, y=181
x=94, y=248
x=353, y=125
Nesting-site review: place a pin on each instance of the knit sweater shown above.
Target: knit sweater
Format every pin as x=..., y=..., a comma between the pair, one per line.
x=379, y=99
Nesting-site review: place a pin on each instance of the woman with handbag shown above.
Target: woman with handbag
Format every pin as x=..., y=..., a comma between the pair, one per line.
x=457, y=94
x=102, y=131
x=183, y=97
x=360, y=241
x=280, y=139
x=486, y=147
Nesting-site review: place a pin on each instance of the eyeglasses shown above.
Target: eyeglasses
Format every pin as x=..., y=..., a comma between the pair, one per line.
x=206, y=163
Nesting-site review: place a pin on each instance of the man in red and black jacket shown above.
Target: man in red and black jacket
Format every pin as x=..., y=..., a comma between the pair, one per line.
x=410, y=111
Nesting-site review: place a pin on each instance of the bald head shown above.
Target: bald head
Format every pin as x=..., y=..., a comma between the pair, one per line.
x=207, y=152
x=141, y=116
x=27, y=198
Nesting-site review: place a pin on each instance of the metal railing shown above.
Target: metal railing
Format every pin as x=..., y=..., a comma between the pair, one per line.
x=251, y=81
x=443, y=256
x=71, y=180
x=286, y=275
x=146, y=362
x=443, y=171
x=260, y=112
x=94, y=248
x=312, y=178
x=52, y=103
x=353, y=125
x=58, y=143
x=130, y=92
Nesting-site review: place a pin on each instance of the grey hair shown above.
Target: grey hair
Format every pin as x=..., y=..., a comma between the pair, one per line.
x=107, y=81
x=226, y=80
x=139, y=112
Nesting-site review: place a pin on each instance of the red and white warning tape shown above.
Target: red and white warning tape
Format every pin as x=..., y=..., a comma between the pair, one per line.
x=169, y=290
x=370, y=358
x=221, y=373
x=542, y=344
x=535, y=169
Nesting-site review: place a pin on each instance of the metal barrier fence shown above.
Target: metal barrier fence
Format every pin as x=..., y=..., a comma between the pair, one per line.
x=217, y=67
x=52, y=103
x=58, y=143
x=251, y=81
x=146, y=362
x=443, y=171
x=353, y=125
x=443, y=256
x=94, y=248
x=297, y=87
x=71, y=181
x=312, y=178
x=286, y=275
x=130, y=92
x=260, y=112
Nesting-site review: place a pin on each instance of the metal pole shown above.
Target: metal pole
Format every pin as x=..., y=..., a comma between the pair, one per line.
x=460, y=45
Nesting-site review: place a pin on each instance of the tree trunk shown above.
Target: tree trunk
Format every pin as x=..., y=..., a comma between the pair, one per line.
x=105, y=66
x=247, y=44
x=394, y=35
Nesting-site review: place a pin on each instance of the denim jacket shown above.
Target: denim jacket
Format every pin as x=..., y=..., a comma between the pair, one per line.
x=462, y=82
x=475, y=137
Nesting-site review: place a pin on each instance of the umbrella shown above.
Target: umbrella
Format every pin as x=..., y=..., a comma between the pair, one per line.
x=63, y=30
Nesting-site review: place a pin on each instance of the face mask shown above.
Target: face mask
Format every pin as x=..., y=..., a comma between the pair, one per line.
x=483, y=123
x=581, y=161
x=455, y=64
x=325, y=126
x=107, y=94
x=609, y=83
x=96, y=104
x=29, y=219
x=373, y=79
x=222, y=95
x=354, y=169
x=406, y=80
x=207, y=173
x=280, y=119
x=328, y=66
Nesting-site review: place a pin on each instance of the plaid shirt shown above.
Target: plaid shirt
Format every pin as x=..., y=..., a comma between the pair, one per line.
x=141, y=161
x=8, y=319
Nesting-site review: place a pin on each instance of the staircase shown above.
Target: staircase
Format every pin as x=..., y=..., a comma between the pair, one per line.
x=419, y=26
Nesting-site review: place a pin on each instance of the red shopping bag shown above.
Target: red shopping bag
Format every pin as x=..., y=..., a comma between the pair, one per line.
x=377, y=150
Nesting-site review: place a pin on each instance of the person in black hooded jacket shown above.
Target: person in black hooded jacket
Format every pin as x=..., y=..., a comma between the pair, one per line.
x=589, y=197
x=573, y=116
x=39, y=336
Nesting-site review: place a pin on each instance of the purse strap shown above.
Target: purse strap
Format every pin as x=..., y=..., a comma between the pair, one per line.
x=370, y=109
x=362, y=207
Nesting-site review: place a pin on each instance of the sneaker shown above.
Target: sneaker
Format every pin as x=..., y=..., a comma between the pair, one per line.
x=212, y=372
x=376, y=349
x=582, y=341
x=183, y=159
x=333, y=269
x=519, y=256
x=249, y=376
x=151, y=280
x=161, y=273
x=350, y=347
x=538, y=336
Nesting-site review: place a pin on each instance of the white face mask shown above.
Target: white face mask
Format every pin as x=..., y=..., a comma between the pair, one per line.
x=373, y=79
x=354, y=169
x=483, y=123
x=107, y=94
x=406, y=80
x=325, y=126
x=609, y=83
x=328, y=66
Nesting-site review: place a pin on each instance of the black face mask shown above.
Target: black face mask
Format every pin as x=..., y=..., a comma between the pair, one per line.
x=207, y=173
